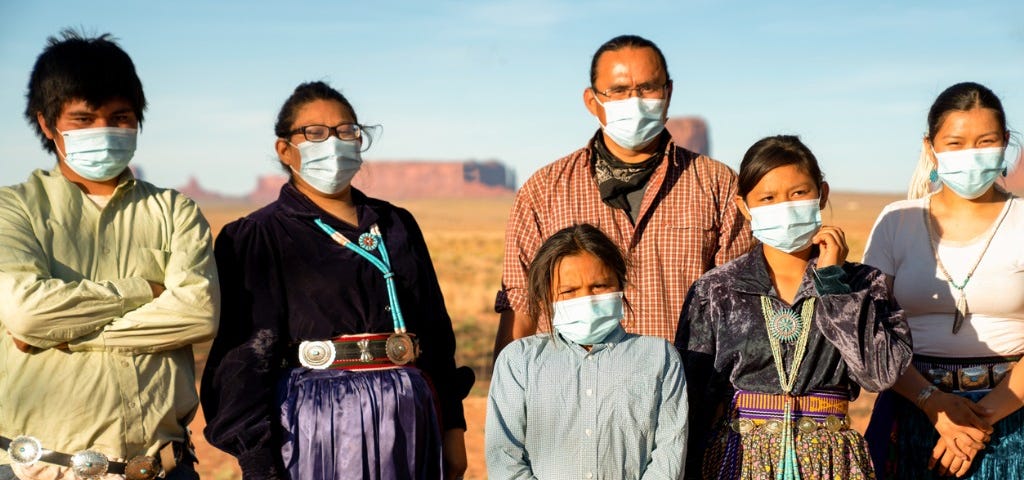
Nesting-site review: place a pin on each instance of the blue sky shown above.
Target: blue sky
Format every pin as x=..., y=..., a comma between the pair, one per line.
x=504, y=79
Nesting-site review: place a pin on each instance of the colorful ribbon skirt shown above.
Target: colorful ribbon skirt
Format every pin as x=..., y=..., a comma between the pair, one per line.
x=747, y=445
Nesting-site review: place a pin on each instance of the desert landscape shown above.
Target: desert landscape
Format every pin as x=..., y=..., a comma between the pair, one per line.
x=466, y=240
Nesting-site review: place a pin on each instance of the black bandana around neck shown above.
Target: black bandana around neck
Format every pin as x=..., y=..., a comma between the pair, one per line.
x=616, y=179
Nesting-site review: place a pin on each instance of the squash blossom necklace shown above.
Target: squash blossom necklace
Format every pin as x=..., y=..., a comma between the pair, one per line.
x=784, y=326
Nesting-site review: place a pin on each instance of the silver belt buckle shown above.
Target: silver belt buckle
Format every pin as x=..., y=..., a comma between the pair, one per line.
x=317, y=355
x=999, y=372
x=89, y=464
x=25, y=450
x=973, y=378
x=940, y=377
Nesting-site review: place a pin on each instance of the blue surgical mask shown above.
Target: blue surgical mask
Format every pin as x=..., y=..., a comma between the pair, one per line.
x=970, y=172
x=786, y=226
x=329, y=166
x=588, y=320
x=99, y=154
x=633, y=122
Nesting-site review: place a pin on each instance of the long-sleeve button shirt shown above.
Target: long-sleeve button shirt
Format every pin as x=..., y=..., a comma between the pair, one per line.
x=687, y=224
x=71, y=271
x=859, y=336
x=286, y=281
x=557, y=411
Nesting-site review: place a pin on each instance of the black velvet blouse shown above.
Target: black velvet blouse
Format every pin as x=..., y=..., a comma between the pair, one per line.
x=283, y=280
x=860, y=336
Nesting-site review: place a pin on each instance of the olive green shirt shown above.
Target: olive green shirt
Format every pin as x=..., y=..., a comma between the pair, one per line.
x=71, y=271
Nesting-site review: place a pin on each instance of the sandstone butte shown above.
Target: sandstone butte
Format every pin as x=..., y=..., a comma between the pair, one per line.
x=412, y=179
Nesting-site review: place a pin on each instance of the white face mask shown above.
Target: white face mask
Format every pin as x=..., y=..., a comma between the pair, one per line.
x=786, y=226
x=329, y=166
x=588, y=320
x=970, y=172
x=633, y=122
x=99, y=154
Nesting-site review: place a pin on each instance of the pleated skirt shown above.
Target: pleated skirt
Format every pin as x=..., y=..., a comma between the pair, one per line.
x=373, y=425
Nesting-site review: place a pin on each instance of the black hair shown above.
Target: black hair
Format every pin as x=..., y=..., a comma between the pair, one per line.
x=626, y=41
x=303, y=94
x=574, y=240
x=963, y=97
x=77, y=67
x=770, y=153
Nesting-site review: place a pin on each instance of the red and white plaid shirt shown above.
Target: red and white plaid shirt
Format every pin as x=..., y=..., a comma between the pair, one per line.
x=688, y=224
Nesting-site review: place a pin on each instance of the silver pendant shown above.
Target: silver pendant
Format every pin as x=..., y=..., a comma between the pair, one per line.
x=25, y=450
x=961, y=312
x=401, y=349
x=317, y=355
x=89, y=464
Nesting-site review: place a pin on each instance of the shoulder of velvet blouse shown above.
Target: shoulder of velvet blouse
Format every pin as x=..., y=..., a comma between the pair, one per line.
x=860, y=276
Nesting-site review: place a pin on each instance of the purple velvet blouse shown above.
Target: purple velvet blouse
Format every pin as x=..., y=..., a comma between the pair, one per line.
x=284, y=280
x=860, y=336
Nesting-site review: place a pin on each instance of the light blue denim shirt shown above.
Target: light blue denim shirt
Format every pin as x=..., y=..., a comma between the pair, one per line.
x=557, y=411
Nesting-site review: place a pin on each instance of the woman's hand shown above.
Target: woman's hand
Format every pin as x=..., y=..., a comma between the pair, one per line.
x=454, y=450
x=947, y=463
x=960, y=424
x=831, y=242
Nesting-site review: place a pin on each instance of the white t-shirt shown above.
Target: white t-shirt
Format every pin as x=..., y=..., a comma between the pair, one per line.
x=898, y=246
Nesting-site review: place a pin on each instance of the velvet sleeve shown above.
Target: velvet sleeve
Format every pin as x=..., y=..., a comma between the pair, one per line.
x=238, y=386
x=437, y=339
x=695, y=340
x=867, y=327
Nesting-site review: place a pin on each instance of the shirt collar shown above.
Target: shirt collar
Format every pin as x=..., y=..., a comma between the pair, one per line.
x=750, y=275
x=613, y=338
x=294, y=203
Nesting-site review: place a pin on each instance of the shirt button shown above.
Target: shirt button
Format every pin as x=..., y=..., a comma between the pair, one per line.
x=106, y=250
x=590, y=474
x=588, y=432
x=590, y=392
x=387, y=308
x=131, y=404
x=124, y=363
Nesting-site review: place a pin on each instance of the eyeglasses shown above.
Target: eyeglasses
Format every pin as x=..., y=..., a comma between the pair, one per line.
x=345, y=131
x=319, y=133
x=645, y=90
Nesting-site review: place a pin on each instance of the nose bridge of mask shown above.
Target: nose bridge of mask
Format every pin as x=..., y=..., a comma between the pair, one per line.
x=569, y=308
x=970, y=159
x=795, y=211
x=101, y=138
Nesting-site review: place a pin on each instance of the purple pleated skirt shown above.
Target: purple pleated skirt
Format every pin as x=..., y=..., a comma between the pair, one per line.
x=374, y=425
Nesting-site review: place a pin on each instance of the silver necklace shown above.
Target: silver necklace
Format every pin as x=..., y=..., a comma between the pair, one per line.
x=961, y=296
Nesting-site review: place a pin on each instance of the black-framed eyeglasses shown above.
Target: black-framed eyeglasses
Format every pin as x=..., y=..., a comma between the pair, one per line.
x=320, y=133
x=645, y=90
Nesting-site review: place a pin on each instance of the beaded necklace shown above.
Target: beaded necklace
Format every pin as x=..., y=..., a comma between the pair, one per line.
x=784, y=326
x=961, y=298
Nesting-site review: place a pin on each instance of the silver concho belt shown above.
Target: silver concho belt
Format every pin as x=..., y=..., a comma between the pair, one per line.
x=359, y=351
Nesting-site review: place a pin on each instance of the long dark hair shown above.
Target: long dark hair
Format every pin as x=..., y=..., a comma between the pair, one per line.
x=574, y=240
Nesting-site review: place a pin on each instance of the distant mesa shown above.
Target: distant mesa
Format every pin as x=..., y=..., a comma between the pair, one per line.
x=391, y=180
x=413, y=179
x=691, y=133
x=1014, y=180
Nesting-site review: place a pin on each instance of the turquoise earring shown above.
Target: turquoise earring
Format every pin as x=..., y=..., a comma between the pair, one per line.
x=933, y=176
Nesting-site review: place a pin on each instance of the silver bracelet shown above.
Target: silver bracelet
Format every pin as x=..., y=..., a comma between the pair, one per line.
x=924, y=395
